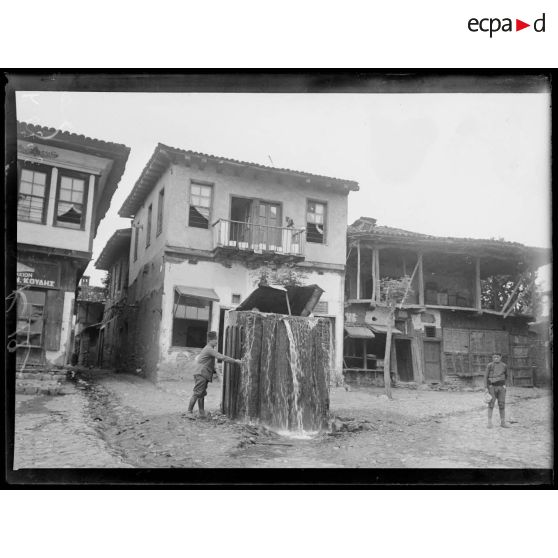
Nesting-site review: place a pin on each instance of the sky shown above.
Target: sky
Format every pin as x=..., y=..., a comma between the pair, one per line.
x=466, y=165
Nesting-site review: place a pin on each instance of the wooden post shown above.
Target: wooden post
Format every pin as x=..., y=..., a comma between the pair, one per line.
x=364, y=363
x=420, y=280
x=358, y=270
x=374, y=277
x=478, y=300
x=377, y=279
x=387, y=355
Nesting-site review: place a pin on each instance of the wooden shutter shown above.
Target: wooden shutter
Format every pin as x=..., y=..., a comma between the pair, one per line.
x=53, y=321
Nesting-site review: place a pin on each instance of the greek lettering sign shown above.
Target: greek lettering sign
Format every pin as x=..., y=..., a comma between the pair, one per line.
x=38, y=274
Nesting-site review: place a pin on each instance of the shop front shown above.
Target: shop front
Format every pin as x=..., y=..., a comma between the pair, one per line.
x=42, y=304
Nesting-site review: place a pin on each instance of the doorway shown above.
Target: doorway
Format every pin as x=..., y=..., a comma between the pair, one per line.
x=268, y=222
x=241, y=213
x=404, y=360
x=432, y=361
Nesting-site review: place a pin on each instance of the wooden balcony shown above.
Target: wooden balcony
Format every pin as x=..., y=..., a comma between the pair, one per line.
x=250, y=241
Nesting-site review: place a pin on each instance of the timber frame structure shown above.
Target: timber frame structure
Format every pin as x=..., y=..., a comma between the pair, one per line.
x=466, y=299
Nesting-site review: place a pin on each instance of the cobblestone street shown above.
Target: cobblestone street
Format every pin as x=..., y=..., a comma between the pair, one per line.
x=111, y=420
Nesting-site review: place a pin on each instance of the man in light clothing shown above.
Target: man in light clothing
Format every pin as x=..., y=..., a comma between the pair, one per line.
x=205, y=368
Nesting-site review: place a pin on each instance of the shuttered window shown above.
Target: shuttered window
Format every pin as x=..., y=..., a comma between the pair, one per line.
x=200, y=205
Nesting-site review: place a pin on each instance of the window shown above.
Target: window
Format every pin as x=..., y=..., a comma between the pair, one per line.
x=200, y=206
x=148, y=232
x=236, y=299
x=315, y=222
x=430, y=331
x=160, y=206
x=71, y=202
x=33, y=193
x=136, y=238
x=190, y=321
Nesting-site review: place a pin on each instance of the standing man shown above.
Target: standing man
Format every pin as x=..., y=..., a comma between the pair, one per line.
x=495, y=381
x=205, y=368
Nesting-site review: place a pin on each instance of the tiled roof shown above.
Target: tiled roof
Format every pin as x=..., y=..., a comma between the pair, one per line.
x=119, y=241
x=35, y=132
x=366, y=228
x=164, y=155
x=118, y=152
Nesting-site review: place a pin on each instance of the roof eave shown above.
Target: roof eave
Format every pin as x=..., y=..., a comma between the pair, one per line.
x=164, y=155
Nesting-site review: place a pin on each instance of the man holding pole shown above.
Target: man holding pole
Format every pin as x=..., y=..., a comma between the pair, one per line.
x=205, y=368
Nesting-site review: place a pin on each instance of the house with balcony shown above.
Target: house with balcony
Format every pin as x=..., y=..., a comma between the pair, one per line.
x=205, y=230
x=113, y=329
x=65, y=183
x=464, y=298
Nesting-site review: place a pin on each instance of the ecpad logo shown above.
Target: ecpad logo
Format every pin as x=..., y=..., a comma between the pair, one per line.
x=494, y=24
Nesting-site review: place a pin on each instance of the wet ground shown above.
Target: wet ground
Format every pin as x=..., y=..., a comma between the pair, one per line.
x=118, y=420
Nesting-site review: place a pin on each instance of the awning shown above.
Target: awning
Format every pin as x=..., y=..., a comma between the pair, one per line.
x=359, y=332
x=383, y=329
x=197, y=292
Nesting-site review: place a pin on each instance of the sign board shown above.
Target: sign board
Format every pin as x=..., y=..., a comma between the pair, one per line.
x=38, y=274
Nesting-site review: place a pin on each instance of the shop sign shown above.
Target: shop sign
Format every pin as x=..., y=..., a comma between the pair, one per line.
x=38, y=274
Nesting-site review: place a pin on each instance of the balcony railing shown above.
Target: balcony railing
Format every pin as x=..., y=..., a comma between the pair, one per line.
x=251, y=237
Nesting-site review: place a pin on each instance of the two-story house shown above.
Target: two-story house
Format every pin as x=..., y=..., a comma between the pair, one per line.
x=460, y=299
x=204, y=230
x=115, y=259
x=65, y=184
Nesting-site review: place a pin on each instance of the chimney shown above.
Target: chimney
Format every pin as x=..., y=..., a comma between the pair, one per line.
x=369, y=220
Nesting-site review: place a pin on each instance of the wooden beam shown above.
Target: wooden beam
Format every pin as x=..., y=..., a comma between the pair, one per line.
x=288, y=303
x=358, y=270
x=478, y=301
x=504, y=308
x=509, y=310
x=374, y=277
x=377, y=271
x=420, y=279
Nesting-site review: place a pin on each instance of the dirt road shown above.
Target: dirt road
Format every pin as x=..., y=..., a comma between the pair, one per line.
x=111, y=420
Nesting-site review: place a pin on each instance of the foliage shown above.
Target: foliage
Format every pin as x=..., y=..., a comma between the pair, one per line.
x=495, y=291
x=286, y=276
x=395, y=290
x=106, y=281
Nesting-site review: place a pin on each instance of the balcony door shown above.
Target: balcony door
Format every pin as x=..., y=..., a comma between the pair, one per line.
x=267, y=234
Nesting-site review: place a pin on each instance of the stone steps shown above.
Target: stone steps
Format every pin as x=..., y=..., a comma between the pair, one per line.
x=42, y=381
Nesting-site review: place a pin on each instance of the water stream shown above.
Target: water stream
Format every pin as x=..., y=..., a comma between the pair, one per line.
x=284, y=382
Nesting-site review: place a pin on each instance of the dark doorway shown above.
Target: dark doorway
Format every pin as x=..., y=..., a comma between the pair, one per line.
x=432, y=361
x=404, y=360
x=241, y=216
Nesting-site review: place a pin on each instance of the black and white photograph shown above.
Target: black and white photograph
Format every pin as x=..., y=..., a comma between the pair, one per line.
x=271, y=272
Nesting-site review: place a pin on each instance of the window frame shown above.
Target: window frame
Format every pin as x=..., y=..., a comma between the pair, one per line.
x=63, y=172
x=326, y=220
x=206, y=183
x=23, y=164
x=160, y=211
x=148, y=230
x=175, y=307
